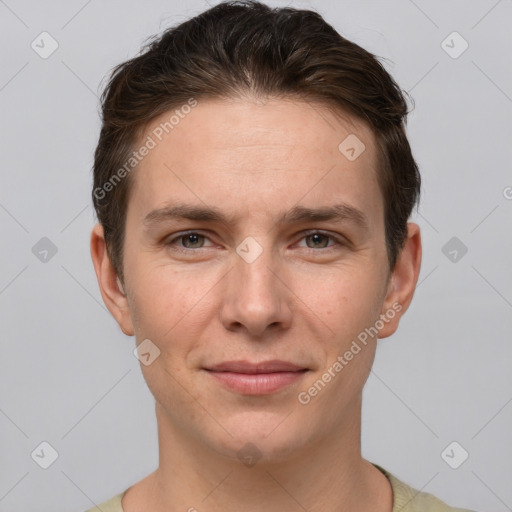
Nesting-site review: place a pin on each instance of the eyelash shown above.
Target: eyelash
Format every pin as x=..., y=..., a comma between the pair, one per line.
x=338, y=241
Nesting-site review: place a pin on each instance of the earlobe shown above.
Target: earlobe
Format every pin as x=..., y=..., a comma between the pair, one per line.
x=403, y=280
x=111, y=288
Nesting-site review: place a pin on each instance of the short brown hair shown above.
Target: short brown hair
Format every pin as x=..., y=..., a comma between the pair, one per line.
x=247, y=47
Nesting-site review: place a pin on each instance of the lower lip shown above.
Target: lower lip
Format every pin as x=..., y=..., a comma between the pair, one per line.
x=258, y=383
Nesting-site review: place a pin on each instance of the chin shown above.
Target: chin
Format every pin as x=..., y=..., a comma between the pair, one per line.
x=260, y=438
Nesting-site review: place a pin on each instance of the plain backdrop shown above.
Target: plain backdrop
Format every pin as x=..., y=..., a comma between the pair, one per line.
x=68, y=375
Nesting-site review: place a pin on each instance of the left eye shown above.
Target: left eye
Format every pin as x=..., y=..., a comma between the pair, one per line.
x=316, y=238
x=192, y=240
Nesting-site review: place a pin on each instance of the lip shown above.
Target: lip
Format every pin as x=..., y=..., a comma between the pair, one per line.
x=271, y=366
x=261, y=378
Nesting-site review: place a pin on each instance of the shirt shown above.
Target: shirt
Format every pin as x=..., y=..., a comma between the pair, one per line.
x=405, y=499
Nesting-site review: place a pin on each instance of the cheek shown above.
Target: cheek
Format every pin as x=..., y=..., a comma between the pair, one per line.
x=350, y=307
x=346, y=299
x=168, y=305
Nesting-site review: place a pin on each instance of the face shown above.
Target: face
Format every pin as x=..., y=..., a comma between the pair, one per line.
x=253, y=240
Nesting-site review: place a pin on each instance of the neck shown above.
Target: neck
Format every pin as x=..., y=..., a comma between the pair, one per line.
x=327, y=475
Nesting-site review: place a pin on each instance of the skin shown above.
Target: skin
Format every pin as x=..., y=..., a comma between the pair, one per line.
x=303, y=300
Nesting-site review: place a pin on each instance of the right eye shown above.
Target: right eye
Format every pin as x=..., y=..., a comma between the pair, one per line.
x=191, y=237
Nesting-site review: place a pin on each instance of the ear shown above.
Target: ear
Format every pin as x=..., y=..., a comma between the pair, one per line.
x=111, y=288
x=402, y=282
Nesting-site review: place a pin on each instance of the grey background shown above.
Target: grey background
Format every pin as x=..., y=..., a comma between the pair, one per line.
x=68, y=374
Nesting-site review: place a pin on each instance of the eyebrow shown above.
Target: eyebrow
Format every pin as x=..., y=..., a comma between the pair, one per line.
x=297, y=215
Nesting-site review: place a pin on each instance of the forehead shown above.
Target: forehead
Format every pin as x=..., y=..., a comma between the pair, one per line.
x=257, y=156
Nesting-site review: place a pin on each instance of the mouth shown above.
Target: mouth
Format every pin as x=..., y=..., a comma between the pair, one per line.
x=262, y=378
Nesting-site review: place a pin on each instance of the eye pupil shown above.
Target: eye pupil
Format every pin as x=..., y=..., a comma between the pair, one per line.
x=317, y=237
x=193, y=237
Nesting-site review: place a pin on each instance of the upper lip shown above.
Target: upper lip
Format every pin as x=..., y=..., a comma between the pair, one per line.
x=272, y=366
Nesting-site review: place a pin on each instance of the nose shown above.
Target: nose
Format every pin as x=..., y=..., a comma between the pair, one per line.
x=257, y=296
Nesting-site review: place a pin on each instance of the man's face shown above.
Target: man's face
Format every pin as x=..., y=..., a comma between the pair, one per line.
x=257, y=287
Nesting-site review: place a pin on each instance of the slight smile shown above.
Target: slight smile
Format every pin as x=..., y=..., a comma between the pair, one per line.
x=256, y=378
